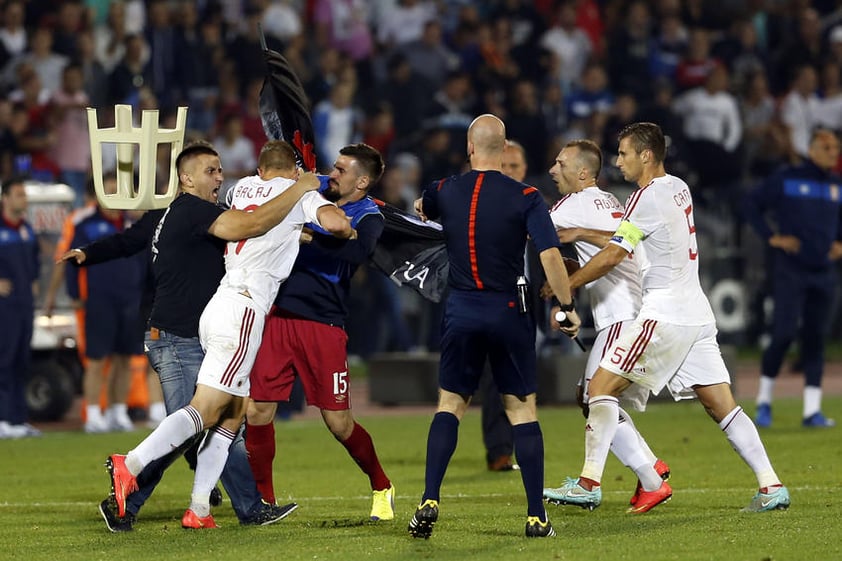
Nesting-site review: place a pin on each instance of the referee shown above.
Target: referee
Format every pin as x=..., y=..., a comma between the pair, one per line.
x=486, y=217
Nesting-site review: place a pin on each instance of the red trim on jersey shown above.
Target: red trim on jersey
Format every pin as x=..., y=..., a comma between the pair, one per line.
x=242, y=348
x=472, y=230
x=616, y=215
x=529, y=190
x=438, y=187
x=561, y=200
x=633, y=198
x=639, y=345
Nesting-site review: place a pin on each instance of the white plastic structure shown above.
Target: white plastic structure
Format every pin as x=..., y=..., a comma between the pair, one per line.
x=131, y=140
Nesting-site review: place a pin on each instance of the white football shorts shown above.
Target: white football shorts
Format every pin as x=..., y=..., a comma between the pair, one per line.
x=635, y=395
x=230, y=331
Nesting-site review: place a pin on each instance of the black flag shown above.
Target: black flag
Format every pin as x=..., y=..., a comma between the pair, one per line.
x=412, y=252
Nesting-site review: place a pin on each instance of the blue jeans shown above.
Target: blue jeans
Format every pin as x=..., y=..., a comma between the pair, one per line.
x=177, y=361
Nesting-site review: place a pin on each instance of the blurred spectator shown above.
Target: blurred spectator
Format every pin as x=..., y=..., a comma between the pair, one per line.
x=702, y=15
x=235, y=150
x=337, y=122
x=163, y=48
x=713, y=130
x=453, y=104
x=693, y=69
x=280, y=19
x=746, y=58
x=72, y=150
x=554, y=111
x=525, y=124
x=46, y=63
x=764, y=136
x=94, y=78
x=245, y=50
x=803, y=47
x=201, y=53
x=829, y=114
x=404, y=22
x=526, y=24
x=135, y=15
x=667, y=48
x=37, y=137
x=799, y=111
x=589, y=104
x=622, y=113
x=409, y=95
x=131, y=73
x=498, y=68
x=569, y=44
x=428, y=56
x=110, y=38
x=629, y=51
x=70, y=21
x=379, y=128
x=13, y=34
x=326, y=74
x=344, y=25
x=589, y=20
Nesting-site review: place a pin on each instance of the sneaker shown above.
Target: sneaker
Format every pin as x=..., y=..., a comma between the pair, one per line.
x=763, y=418
x=383, y=504
x=662, y=469
x=776, y=500
x=13, y=432
x=215, y=496
x=123, y=483
x=108, y=511
x=537, y=529
x=193, y=521
x=502, y=463
x=118, y=420
x=25, y=430
x=96, y=425
x=421, y=525
x=571, y=493
x=818, y=420
x=647, y=500
x=268, y=513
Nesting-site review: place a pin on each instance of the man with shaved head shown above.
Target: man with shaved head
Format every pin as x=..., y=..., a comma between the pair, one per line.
x=486, y=217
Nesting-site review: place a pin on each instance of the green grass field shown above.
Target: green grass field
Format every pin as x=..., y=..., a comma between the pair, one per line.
x=51, y=488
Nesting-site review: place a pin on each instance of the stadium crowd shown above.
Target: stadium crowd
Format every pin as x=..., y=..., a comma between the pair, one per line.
x=737, y=87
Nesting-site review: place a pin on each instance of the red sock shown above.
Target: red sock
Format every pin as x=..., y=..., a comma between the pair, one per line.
x=588, y=484
x=260, y=445
x=361, y=449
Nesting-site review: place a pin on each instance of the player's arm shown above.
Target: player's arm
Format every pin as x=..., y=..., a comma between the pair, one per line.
x=235, y=225
x=621, y=244
x=551, y=261
x=332, y=219
x=599, y=238
x=427, y=206
x=355, y=251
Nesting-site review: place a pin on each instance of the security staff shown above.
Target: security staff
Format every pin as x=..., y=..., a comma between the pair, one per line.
x=18, y=272
x=486, y=217
x=805, y=205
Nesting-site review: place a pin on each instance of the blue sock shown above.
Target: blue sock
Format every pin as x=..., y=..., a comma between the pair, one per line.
x=441, y=443
x=529, y=449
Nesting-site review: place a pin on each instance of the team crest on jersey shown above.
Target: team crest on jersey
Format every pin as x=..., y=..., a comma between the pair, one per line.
x=834, y=192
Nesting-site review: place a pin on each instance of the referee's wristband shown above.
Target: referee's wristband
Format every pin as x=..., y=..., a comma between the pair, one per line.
x=565, y=307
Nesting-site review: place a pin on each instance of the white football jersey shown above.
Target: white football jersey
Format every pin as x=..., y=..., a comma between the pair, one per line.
x=660, y=218
x=259, y=265
x=616, y=295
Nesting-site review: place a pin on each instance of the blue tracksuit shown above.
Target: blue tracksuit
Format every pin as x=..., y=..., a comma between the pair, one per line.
x=486, y=217
x=804, y=201
x=18, y=264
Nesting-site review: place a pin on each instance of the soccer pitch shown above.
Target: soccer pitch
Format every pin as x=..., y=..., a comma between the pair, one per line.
x=51, y=487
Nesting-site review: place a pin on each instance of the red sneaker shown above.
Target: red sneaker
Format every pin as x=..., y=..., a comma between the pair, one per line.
x=193, y=521
x=123, y=483
x=647, y=500
x=663, y=470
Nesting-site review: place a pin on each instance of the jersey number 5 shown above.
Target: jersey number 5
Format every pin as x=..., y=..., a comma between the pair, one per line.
x=694, y=248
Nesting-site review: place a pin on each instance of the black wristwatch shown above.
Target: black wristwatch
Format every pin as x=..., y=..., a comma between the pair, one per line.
x=566, y=307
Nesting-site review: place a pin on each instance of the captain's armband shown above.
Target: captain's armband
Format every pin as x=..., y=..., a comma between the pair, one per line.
x=628, y=234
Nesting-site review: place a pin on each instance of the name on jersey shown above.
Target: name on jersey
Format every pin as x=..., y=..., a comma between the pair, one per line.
x=682, y=198
x=253, y=191
x=607, y=203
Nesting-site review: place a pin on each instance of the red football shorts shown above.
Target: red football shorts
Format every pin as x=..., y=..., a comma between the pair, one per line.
x=315, y=352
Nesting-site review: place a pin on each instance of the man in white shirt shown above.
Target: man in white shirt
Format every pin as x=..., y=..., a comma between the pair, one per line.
x=672, y=343
x=588, y=216
x=230, y=331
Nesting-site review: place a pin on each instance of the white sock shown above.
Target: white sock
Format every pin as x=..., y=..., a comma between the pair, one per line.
x=744, y=438
x=119, y=410
x=631, y=449
x=213, y=453
x=765, y=390
x=812, y=400
x=93, y=412
x=170, y=434
x=599, y=432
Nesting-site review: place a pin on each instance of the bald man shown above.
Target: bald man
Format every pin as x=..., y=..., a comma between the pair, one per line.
x=486, y=217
